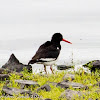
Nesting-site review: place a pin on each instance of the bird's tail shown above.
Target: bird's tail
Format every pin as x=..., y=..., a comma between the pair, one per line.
x=31, y=62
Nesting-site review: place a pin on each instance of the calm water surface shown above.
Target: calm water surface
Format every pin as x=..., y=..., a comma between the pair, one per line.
x=69, y=55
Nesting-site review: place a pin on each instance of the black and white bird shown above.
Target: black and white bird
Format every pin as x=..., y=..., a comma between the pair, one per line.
x=48, y=52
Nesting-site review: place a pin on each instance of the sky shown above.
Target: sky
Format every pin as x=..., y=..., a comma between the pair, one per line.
x=24, y=22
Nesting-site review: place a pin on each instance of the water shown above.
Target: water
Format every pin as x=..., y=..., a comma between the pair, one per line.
x=69, y=55
x=84, y=49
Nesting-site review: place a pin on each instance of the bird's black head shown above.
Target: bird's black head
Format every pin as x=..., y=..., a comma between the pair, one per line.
x=57, y=37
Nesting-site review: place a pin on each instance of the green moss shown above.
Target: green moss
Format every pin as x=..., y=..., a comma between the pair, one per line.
x=57, y=77
x=80, y=77
x=53, y=94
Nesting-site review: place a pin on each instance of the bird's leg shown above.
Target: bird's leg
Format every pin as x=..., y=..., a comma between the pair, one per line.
x=51, y=69
x=45, y=69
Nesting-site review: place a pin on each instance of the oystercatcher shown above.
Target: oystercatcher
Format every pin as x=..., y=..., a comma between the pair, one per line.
x=48, y=52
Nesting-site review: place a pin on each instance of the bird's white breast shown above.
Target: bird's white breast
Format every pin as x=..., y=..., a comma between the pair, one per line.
x=47, y=61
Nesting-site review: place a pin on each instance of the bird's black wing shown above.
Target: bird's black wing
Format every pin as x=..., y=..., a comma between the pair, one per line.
x=45, y=51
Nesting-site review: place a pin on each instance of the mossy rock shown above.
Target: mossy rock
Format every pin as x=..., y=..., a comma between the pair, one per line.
x=93, y=65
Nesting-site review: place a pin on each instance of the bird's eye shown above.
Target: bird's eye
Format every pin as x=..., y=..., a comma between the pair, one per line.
x=57, y=48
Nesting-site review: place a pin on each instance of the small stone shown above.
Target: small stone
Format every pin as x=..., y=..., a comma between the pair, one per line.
x=27, y=83
x=67, y=76
x=63, y=67
x=97, y=84
x=35, y=95
x=98, y=90
x=12, y=91
x=4, y=77
x=90, y=99
x=70, y=94
x=46, y=87
x=53, y=83
x=67, y=84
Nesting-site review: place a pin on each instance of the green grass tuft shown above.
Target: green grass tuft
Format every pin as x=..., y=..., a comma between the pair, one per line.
x=87, y=79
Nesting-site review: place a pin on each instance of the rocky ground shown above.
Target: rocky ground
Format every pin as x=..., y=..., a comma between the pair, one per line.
x=72, y=85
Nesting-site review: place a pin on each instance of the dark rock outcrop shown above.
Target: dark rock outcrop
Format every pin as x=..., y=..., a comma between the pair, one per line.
x=93, y=65
x=13, y=64
x=63, y=67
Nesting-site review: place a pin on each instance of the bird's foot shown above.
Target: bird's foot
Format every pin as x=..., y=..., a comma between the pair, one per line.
x=51, y=70
x=45, y=69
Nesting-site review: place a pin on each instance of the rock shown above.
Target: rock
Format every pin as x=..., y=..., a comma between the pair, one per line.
x=90, y=99
x=14, y=91
x=63, y=67
x=35, y=95
x=98, y=91
x=67, y=84
x=53, y=83
x=70, y=94
x=46, y=87
x=48, y=99
x=13, y=64
x=3, y=71
x=93, y=65
x=97, y=84
x=67, y=76
x=8, y=72
x=4, y=77
x=27, y=83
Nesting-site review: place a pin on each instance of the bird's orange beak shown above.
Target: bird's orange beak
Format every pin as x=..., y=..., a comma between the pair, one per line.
x=66, y=41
